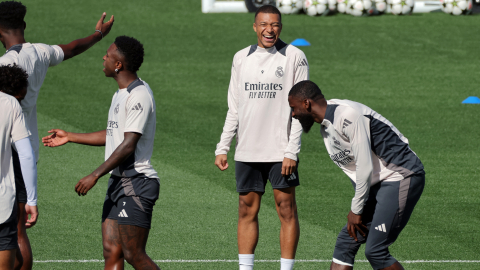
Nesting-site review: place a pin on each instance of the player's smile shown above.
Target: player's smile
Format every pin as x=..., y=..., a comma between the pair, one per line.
x=268, y=27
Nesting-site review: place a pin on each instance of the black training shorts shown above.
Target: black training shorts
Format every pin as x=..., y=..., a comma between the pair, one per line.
x=8, y=231
x=253, y=176
x=130, y=201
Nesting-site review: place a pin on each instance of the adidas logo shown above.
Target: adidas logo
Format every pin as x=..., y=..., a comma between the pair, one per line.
x=123, y=213
x=137, y=107
x=303, y=63
x=346, y=123
x=381, y=228
x=292, y=177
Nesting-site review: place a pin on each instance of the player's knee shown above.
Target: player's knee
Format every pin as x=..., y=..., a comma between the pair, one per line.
x=133, y=256
x=247, y=211
x=376, y=256
x=111, y=251
x=287, y=210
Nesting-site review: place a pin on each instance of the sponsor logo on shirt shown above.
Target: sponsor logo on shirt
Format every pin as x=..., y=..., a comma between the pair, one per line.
x=303, y=63
x=117, y=108
x=137, y=107
x=279, y=73
x=346, y=123
x=270, y=87
x=111, y=125
x=341, y=158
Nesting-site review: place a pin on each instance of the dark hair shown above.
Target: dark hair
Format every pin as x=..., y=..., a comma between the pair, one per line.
x=268, y=9
x=132, y=50
x=306, y=90
x=12, y=14
x=13, y=79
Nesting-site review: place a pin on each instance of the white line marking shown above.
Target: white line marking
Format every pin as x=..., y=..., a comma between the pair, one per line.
x=268, y=261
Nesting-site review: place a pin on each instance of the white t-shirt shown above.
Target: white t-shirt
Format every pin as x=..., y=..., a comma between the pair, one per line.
x=35, y=59
x=258, y=109
x=12, y=129
x=133, y=110
x=367, y=147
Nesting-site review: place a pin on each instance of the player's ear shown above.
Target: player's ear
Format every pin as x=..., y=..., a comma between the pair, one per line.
x=118, y=65
x=307, y=104
x=254, y=27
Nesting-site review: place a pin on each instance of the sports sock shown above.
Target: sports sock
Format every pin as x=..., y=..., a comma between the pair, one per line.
x=245, y=261
x=286, y=264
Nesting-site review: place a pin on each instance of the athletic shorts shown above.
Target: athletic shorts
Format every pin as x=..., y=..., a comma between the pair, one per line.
x=8, y=231
x=253, y=176
x=130, y=201
x=385, y=214
x=19, y=182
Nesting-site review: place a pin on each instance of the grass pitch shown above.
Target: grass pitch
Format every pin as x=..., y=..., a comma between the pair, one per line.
x=414, y=70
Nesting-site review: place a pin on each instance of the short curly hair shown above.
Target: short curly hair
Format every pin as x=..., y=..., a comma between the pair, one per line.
x=132, y=50
x=12, y=14
x=13, y=79
x=306, y=90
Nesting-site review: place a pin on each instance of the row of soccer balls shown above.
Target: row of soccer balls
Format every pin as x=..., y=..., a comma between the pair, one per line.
x=366, y=7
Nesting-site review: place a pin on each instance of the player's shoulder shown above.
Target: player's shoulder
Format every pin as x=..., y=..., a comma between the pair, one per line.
x=343, y=112
x=140, y=89
x=294, y=51
x=8, y=102
x=243, y=53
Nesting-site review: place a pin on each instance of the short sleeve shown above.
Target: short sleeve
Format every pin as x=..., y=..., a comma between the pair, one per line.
x=139, y=107
x=54, y=54
x=19, y=128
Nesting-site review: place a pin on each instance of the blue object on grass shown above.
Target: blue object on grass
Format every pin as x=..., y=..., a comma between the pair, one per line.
x=471, y=100
x=300, y=42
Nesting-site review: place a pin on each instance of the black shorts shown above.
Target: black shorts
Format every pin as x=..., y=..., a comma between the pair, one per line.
x=253, y=176
x=19, y=182
x=8, y=231
x=130, y=201
x=386, y=213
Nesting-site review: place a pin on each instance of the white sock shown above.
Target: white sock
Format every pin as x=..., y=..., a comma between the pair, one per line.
x=245, y=261
x=286, y=264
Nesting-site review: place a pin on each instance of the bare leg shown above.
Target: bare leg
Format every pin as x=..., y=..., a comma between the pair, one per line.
x=24, y=257
x=134, y=240
x=247, y=232
x=395, y=266
x=112, y=247
x=7, y=259
x=290, y=228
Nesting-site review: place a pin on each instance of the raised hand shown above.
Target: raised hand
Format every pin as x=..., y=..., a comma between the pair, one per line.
x=59, y=137
x=104, y=27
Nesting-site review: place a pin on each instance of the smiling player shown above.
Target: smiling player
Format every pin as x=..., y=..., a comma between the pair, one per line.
x=386, y=174
x=268, y=139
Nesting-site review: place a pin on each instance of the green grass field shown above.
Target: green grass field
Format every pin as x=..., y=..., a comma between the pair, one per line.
x=414, y=70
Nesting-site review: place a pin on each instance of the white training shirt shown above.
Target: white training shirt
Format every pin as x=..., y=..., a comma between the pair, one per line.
x=133, y=110
x=12, y=129
x=367, y=147
x=258, y=109
x=35, y=59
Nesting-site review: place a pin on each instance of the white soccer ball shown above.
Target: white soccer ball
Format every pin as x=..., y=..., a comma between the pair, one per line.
x=401, y=7
x=457, y=7
x=380, y=6
x=319, y=7
x=342, y=6
x=289, y=6
x=360, y=7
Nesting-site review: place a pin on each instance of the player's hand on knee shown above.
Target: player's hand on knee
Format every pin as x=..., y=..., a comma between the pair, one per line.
x=85, y=184
x=288, y=166
x=355, y=224
x=57, y=138
x=221, y=162
x=104, y=27
x=31, y=210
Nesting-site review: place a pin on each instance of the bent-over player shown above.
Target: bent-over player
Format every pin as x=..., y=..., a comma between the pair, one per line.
x=387, y=175
x=133, y=186
x=13, y=129
x=35, y=59
x=268, y=139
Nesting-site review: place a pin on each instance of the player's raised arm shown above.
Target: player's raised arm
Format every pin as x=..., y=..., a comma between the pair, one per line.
x=60, y=137
x=78, y=46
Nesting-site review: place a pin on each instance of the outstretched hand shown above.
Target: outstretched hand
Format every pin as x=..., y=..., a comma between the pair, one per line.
x=59, y=137
x=104, y=27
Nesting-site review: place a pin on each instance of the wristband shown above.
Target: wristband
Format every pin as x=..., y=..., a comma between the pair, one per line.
x=99, y=32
